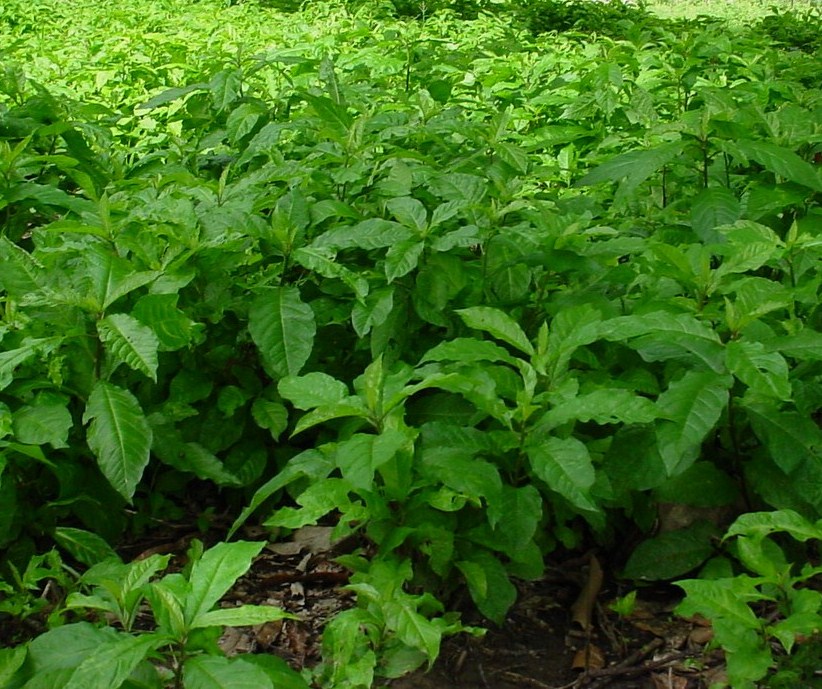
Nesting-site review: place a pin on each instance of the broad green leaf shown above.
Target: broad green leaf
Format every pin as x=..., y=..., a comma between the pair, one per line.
x=672, y=554
x=84, y=546
x=765, y=373
x=374, y=233
x=605, y=406
x=172, y=327
x=316, y=501
x=690, y=407
x=516, y=516
x=119, y=435
x=242, y=120
x=273, y=416
x=806, y=345
x=111, y=277
x=782, y=162
x=11, y=660
x=215, y=672
x=225, y=88
x=170, y=95
x=489, y=585
x=214, y=574
x=109, y=665
x=468, y=350
x=458, y=186
x=10, y=360
x=43, y=423
x=283, y=328
x=633, y=167
x=359, y=456
x=498, y=324
x=661, y=335
x=323, y=262
x=409, y=211
x=760, y=524
x=402, y=258
x=415, y=630
x=791, y=438
x=470, y=476
x=565, y=466
x=22, y=274
x=713, y=207
x=244, y=615
x=350, y=406
x=314, y=389
x=703, y=484
x=373, y=311
x=333, y=114
x=130, y=342
x=725, y=599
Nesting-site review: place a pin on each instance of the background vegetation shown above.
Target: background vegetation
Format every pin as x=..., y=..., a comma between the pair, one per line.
x=471, y=281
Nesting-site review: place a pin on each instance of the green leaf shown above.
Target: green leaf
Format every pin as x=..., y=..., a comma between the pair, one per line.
x=119, y=436
x=374, y=233
x=11, y=660
x=242, y=120
x=661, y=335
x=214, y=574
x=806, y=345
x=244, y=615
x=402, y=258
x=359, y=456
x=322, y=262
x=314, y=389
x=763, y=372
x=498, y=324
x=414, y=630
x=84, y=546
x=409, y=211
x=725, y=599
x=489, y=585
x=713, y=207
x=350, y=406
x=565, y=466
x=701, y=485
x=633, y=167
x=604, y=406
x=283, y=328
x=672, y=554
x=761, y=524
x=130, y=342
x=468, y=350
x=109, y=665
x=691, y=407
x=11, y=359
x=782, y=162
x=225, y=88
x=791, y=438
x=22, y=274
x=111, y=277
x=172, y=327
x=214, y=672
x=273, y=416
x=47, y=422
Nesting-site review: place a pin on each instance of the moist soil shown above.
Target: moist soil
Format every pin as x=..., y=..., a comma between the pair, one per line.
x=561, y=634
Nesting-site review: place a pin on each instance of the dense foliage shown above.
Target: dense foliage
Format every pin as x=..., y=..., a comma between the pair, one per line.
x=471, y=291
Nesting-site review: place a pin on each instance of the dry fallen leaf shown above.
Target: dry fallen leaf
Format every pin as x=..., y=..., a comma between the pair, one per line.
x=668, y=680
x=589, y=658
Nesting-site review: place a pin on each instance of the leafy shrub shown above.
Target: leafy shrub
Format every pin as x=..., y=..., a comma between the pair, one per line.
x=606, y=17
x=795, y=28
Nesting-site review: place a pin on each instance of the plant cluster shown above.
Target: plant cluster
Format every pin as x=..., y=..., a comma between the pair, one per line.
x=466, y=303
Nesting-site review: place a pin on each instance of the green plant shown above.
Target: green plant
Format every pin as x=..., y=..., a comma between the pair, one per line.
x=777, y=605
x=180, y=650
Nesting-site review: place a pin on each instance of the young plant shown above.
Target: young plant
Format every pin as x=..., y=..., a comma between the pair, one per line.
x=179, y=650
x=775, y=606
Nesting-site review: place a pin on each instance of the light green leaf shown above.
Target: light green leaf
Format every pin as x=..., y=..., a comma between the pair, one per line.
x=225, y=88
x=10, y=360
x=119, y=436
x=359, y=456
x=350, y=406
x=468, y=350
x=498, y=324
x=109, y=665
x=806, y=345
x=691, y=407
x=241, y=121
x=11, y=660
x=713, y=207
x=322, y=262
x=314, y=389
x=130, y=342
x=725, y=599
x=111, y=276
x=374, y=233
x=215, y=672
x=283, y=328
x=565, y=466
x=414, y=630
x=489, y=585
x=761, y=524
x=244, y=615
x=22, y=274
x=214, y=574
